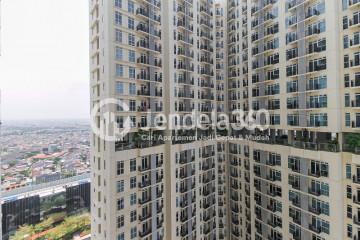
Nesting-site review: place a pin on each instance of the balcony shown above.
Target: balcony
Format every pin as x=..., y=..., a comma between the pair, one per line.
x=145, y=44
x=314, y=228
x=314, y=191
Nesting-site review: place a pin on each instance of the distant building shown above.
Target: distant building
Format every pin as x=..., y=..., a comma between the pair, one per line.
x=29, y=206
x=49, y=177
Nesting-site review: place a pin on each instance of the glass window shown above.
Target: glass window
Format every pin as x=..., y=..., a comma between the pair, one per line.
x=131, y=39
x=132, y=165
x=118, y=18
x=132, y=73
x=119, y=87
x=119, y=70
x=120, y=204
x=133, y=199
x=121, y=236
x=118, y=36
x=119, y=53
x=348, y=192
x=120, y=221
x=349, y=230
x=132, y=182
x=133, y=216
x=131, y=56
x=132, y=89
x=347, y=100
x=120, y=186
x=118, y=3
x=130, y=6
x=131, y=23
x=347, y=120
x=133, y=232
x=120, y=168
x=346, y=41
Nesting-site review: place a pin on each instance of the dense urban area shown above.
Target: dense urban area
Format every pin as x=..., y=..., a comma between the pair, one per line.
x=45, y=180
x=36, y=152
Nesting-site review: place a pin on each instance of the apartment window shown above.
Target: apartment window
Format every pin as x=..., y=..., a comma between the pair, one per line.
x=319, y=101
x=133, y=199
x=345, y=4
x=317, y=46
x=317, y=83
x=120, y=204
x=349, y=211
x=348, y=192
x=292, y=102
x=119, y=53
x=118, y=3
x=291, y=53
x=132, y=165
x=356, y=40
x=316, y=9
x=273, y=74
x=346, y=61
x=120, y=121
x=291, y=70
x=118, y=36
x=318, y=120
x=349, y=230
x=120, y=186
x=121, y=236
x=130, y=6
x=132, y=121
x=293, y=119
x=132, y=182
x=317, y=64
x=294, y=164
x=345, y=22
x=346, y=41
x=356, y=18
x=275, y=119
x=133, y=232
x=132, y=73
x=131, y=39
x=319, y=168
x=120, y=221
x=346, y=80
x=347, y=120
x=132, y=88
x=325, y=226
x=120, y=168
x=324, y=187
x=357, y=120
x=316, y=28
x=131, y=23
x=291, y=37
x=133, y=216
x=131, y=56
x=347, y=100
x=356, y=61
x=119, y=87
x=132, y=105
x=119, y=70
x=118, y=18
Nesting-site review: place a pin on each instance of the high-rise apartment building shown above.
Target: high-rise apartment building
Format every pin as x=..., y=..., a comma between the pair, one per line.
x=298, y=59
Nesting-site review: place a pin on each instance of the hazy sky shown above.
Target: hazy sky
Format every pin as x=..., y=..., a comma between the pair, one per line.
x=44, y=59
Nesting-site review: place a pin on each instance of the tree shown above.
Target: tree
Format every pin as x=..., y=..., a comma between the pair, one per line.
x=353, y=140
x=24, y=232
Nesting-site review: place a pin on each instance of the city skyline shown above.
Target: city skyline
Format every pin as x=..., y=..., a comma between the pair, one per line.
x=44, y=67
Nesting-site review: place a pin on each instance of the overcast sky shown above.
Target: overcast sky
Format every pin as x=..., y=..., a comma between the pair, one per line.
x=44, y=61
